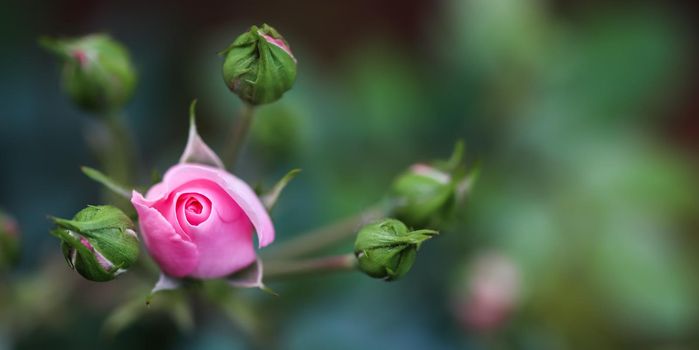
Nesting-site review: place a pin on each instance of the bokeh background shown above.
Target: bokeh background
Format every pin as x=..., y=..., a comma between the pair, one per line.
x=580, y=233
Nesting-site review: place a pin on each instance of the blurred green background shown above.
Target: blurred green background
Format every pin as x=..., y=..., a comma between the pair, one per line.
x=583, y=115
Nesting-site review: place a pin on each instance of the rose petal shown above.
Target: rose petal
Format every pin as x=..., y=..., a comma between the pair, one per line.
x=176, y=256
x=221, y=203
x=164, y=203
x=224, y=247
x=278, y=43
x=158, y=191
x=236, y=188
x=218, y=197
x=193, y=208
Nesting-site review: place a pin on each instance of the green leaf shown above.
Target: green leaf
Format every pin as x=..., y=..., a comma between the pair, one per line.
x=107, y=182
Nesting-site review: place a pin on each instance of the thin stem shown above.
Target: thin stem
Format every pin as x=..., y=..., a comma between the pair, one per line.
x=327, y=236
x=240, y=131
x=280, y=269
x=110, y=141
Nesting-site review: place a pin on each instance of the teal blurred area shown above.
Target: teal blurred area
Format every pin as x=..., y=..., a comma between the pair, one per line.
x=579, y=234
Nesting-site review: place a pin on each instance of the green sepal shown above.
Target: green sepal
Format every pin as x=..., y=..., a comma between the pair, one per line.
x=197, y=151
x=270, y=198
x=250, y=277
x=106, y=181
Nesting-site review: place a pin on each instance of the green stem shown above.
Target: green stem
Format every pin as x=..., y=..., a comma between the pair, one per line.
x=326, y=236
x=279, y=268
x=122, y=149
x=112, y=144
x=240, y=131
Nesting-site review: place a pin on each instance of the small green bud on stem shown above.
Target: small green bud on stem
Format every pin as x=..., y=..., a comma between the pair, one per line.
x=99, y=242
x=425, y=194
x=259, y=66
x=428, y=194
x=97, y=71
x=387, y=249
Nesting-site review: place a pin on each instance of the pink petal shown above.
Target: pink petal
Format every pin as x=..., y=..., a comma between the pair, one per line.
x=224, y=247
x=157, y=192
x=278, y=43
x=193, y=208
x=236, y=188
x=433, y=173
x=221, y=203
x=176, y=256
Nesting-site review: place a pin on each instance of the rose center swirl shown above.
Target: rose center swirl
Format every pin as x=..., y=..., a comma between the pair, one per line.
x=193, y=208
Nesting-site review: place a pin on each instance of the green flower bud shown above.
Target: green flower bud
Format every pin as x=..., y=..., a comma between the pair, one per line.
x=259, y=66
x=427, y=195
x=97, y=71
x=9, y=241
x=387, y=249
x=99, y=242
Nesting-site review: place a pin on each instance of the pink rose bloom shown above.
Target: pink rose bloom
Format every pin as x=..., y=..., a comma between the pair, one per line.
x=199, y=221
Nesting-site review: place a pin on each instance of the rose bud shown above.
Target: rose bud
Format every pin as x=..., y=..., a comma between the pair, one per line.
x=97, y=71
x=428, y=195
x=425, y=195
x=99, y=242
x=199, y=220
x=9, y=241
x=387, y=249
x=486, y=298
x=259, y=66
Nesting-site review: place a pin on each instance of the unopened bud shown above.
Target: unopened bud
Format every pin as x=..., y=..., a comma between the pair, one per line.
x=259, y=66
x=387, y=249
x=9, y=241
x=99, y=242
x=97, y=71
x=427, y=195
x=489, y=292
x=424, y=193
